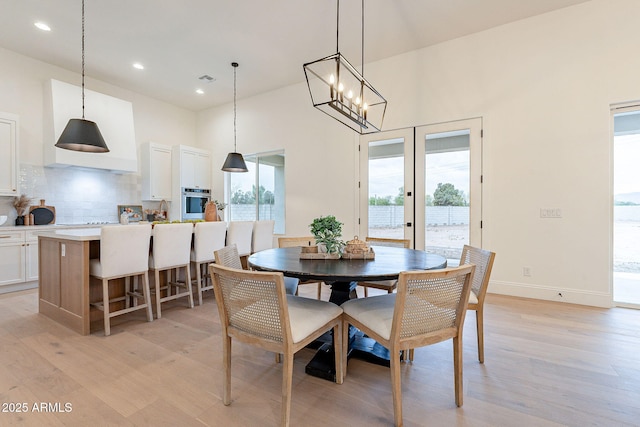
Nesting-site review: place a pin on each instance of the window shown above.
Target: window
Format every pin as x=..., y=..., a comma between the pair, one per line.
x=266, y=174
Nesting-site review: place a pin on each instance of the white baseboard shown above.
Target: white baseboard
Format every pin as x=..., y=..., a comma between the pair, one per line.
x=571, y=296
x=18, y=287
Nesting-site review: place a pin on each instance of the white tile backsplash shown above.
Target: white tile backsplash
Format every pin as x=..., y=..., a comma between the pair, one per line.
x=80, y=196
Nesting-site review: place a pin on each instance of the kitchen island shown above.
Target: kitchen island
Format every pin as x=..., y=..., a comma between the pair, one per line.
x=64, y=282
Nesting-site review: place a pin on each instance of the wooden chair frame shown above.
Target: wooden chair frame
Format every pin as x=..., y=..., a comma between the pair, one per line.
x=284, y=345
x=397, y=343
x=385, y=285
x=287, y=242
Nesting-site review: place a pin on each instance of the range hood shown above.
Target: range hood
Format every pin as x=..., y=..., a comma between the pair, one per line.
x=63, y=101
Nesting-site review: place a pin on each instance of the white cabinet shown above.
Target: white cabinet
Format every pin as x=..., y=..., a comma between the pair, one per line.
x=12, y=257
x=31, y=256
x=18, y=256
x=192, y=166
x=8, y=154
x=156, y=171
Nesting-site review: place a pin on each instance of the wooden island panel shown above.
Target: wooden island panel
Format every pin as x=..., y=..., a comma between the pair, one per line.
x=64, y=284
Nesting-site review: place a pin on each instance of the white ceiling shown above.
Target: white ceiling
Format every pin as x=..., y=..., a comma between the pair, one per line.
x=179, y=41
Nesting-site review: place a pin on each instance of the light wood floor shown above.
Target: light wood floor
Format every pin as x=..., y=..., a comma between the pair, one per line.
x=547, y=364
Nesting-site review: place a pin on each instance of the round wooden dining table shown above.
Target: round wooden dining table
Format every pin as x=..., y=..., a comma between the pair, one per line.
x=342, y=275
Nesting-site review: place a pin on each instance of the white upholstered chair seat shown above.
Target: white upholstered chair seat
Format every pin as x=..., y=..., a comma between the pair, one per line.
x=473, y=298
x=307, y=315
x=376, y=312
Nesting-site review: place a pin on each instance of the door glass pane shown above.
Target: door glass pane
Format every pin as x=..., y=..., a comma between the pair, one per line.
x=626, y=209
x=386, y=188
x=271, y=190
x=447, y=160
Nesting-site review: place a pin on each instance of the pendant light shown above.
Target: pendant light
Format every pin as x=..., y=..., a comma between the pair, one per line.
x=81, y=134
x=235, y=161
x=340, y=91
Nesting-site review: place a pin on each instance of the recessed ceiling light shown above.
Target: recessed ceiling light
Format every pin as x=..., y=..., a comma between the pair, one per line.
x=42, y=26
x=138, y=66
x=199, y=91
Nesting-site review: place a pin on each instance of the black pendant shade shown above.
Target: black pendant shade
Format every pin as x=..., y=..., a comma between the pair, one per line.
x=234, y=163
x=82, y=135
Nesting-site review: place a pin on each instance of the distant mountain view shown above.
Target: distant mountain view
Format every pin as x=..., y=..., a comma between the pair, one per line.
x=627, y=198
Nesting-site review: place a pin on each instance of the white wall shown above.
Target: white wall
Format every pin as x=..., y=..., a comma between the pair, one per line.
x=543, y=87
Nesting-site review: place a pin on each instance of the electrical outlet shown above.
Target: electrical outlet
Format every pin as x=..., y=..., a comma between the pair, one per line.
x=550, y=213
x=526, y=271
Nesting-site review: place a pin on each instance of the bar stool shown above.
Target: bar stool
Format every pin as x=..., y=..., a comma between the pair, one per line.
x=171, y=251
x=262, y=237
x=240, y=233
x=124, y=251
x=208, y=237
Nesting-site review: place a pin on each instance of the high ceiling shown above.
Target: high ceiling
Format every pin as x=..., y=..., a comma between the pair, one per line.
x=179, y=41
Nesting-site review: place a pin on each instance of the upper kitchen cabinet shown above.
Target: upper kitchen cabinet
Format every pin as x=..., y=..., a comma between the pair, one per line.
x=156, y=171
x=192, y=166
x=8, y=154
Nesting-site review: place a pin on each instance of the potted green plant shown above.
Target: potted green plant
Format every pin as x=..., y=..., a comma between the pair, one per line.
x=327, y=231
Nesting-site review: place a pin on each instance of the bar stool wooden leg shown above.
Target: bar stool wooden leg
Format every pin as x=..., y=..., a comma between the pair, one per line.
x=105, y=303
x=158, y=295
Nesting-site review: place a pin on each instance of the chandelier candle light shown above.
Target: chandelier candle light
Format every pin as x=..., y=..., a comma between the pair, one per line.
x=81, y=134
x=339, y=90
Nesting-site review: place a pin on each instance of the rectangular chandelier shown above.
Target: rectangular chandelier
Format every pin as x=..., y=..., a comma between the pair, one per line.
x=339, y=90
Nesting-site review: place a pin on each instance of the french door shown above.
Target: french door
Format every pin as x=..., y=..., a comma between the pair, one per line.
x=424, y=184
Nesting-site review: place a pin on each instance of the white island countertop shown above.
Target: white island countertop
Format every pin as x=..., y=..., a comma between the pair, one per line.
x=77, y=234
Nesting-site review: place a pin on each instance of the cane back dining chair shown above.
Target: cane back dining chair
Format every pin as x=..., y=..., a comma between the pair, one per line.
x=288, y=242
x=483, y=260
x=229, y=257
x=429, y=307
x=385, y=285
x=254, y=309
x=124, y=252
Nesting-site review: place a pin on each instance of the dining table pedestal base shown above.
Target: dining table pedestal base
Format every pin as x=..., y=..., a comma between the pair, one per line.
x=322, y=365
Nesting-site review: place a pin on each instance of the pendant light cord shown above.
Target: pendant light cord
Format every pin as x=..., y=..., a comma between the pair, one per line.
x=235, y=66
x=82, y=59
x=338, y=26
x=362, y=39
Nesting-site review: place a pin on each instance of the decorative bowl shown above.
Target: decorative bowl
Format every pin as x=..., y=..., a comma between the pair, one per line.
x=3, y=219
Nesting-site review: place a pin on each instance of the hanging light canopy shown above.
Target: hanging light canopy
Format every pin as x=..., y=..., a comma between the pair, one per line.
x=235, y=161
x=339, y=90
x=81, y=134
